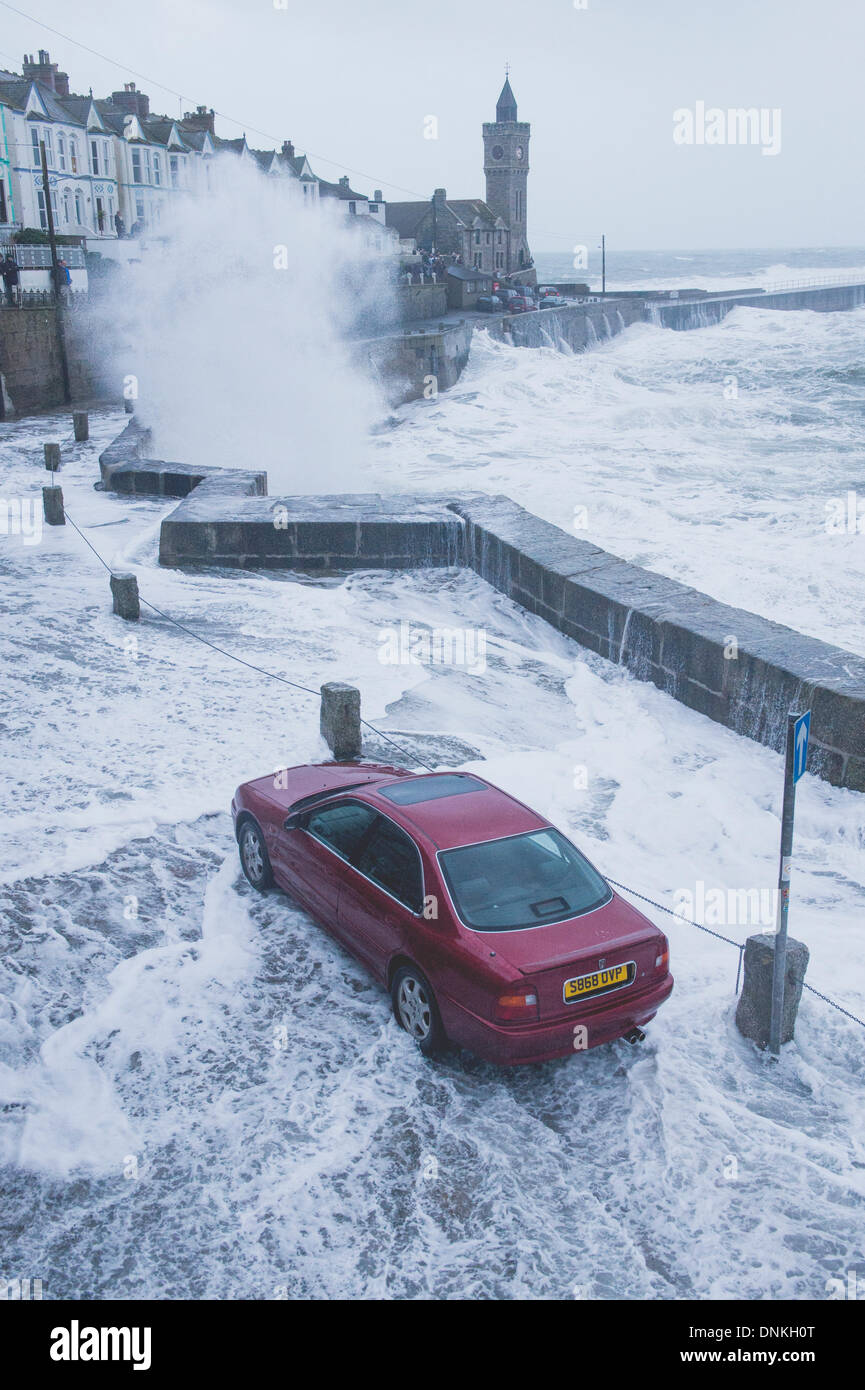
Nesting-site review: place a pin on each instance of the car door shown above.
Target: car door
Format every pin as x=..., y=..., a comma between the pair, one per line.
x=382, y=900
x=314, y=856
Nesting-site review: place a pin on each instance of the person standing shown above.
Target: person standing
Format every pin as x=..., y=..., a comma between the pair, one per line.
x=63, y=281
x=11, y=278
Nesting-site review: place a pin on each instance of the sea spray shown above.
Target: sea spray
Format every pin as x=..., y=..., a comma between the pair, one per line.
x=238, y=318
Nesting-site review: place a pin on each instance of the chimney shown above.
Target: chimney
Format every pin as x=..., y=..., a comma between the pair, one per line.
x=376, y=197
x=45, y=71
x=133, y=102
x=288, y=149
x=200, y=119
x=439, y=196
x=343, y=183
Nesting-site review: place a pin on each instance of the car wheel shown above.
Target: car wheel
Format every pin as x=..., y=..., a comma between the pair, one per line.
x=254, y=859
x=416, y=1010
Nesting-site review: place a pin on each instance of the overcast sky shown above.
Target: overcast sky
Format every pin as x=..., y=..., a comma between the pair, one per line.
x=351, y=83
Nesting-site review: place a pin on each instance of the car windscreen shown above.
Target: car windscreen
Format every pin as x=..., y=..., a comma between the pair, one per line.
x=521, y=881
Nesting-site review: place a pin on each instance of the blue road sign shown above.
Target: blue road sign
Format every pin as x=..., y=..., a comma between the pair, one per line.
x=801, y=730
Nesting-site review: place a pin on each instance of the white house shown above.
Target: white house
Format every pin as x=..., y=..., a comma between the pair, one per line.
x=79, y=154
x=114, y=168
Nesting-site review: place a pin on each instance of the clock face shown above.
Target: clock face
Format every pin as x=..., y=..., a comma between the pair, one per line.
x=519, y=152
x=497, y=151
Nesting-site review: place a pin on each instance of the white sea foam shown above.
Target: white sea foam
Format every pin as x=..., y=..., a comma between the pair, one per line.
x=209, y=1098
x=235, y=316
x=712, y=456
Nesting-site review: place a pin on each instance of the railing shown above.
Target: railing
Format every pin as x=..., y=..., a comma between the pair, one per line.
x=35, y=299
x=39, y=257
x=815, y=283
x=673, y=297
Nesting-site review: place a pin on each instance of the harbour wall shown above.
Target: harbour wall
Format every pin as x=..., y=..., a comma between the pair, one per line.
x=710, y=309
x=734, y=667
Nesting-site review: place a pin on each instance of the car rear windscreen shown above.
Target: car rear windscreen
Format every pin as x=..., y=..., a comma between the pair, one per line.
x=416, y=789
x=522, y=881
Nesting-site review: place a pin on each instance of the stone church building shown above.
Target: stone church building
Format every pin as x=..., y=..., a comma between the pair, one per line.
x=489, y=234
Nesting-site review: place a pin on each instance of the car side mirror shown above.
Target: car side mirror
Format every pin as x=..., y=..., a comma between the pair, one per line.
x=293, y=822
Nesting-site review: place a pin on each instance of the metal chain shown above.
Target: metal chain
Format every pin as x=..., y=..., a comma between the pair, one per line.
x=739, y=947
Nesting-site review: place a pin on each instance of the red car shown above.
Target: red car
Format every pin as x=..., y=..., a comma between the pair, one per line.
x=488, y=927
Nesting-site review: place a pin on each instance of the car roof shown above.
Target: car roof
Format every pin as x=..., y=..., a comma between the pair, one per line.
x=467, y=817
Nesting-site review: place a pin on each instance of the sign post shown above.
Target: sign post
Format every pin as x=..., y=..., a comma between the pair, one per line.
x=798, y=729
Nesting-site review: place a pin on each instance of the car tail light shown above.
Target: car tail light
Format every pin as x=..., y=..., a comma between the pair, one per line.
x=519, y=1005
x=662, y=959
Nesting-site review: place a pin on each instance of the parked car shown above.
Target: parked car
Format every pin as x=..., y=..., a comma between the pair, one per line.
x=506, y=294
x=552, y=301
x=488, y=303
x=520, y=305
x=546, y=289
x=487, y=925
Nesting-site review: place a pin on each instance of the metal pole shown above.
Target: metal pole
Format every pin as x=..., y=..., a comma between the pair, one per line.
x=55, y=276
x=603, y=265
x=779, y=968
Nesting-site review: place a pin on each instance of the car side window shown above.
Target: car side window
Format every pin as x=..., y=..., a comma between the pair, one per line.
x=341, y=827
x=391, y=859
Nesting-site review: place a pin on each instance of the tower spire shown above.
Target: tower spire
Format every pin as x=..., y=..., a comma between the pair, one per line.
x=506, y=106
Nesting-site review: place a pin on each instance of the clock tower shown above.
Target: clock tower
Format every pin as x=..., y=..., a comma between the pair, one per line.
x=506, y=166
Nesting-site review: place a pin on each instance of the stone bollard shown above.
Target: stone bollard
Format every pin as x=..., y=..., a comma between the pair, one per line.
x=124, y=591
x=52, y=506
x=80, y=425
x=340, y=720
x=52, y=457
x=755, y=1002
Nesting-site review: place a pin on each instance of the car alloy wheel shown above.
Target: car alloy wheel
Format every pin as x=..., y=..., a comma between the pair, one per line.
x=416, y=1011
x=254, y=857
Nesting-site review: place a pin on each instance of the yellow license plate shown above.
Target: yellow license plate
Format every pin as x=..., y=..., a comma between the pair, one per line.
x=612, y=978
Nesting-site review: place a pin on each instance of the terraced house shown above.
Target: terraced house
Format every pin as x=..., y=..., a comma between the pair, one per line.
x=36, y=107
x=114, y=167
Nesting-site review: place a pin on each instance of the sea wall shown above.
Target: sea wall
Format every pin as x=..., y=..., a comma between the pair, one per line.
x=579, y=326
x=30, y=362
x=426, y=301
x=711, y=309
x=418, y=361
x=736, y=668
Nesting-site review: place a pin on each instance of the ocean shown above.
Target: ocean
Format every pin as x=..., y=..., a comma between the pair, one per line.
x=703, y=270
x=730, y=457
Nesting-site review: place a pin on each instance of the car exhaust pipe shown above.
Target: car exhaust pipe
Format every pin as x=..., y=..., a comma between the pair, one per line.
x=634, y=1036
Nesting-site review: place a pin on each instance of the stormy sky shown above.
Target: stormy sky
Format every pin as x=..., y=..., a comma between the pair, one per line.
x=599, y=80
